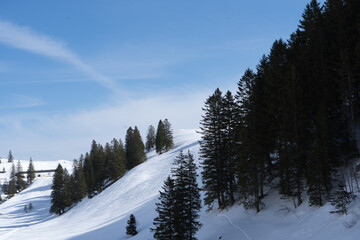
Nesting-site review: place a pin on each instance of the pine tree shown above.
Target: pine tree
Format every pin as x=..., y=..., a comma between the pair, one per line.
x=168, y=136
x=165, y=221
x=135, y=149
x=31, y=207
x=79, y=188
x=150, y=138
x=25, y=209
x=212, y=153
x=20, y=183
x=12, y=183
x=187, y=197
x=117, y=162
x=160, y=138
x=131, y=227
x=30, y=172
x=10, y=157
x=89, y=175
x=58, y=194
x=68, y=190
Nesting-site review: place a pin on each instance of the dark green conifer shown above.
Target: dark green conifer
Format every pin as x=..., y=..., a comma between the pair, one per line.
x=150, y=138
x=131, y=227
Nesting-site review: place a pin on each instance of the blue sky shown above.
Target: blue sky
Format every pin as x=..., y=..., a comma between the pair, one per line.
x=73, y=71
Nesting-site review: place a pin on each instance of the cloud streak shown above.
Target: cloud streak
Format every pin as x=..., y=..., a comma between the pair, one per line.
x=28, y=40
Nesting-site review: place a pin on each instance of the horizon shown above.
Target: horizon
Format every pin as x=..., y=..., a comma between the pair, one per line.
x=72, y=72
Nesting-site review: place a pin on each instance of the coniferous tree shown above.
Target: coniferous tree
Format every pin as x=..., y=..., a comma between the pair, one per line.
x=150, y=138
x=187, y=197
x=20, y=183
x=165, y=221
x=79, y=185
x=10, y=157
x=117, y=164
x=89, y=175
x=168, y=136
x=31, y=207
x=135, y=149
x=131, y=227
x=30, y=172
x=12, y=183
x=160, y=138
x=68, y=189
x=211, y=152
x=58, y=192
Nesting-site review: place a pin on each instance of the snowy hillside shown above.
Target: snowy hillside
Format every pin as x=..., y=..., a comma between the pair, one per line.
x=105, y=216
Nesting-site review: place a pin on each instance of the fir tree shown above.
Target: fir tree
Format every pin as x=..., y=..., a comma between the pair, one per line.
x=10, y=157
x=187, y=197
x=168, y=136
x=160, y=138
x=165, y=221
x=31, y=207
x=150, y=138
x=135, y=149
x=58, y=194
x=79, y=188
x=20, y=183
x=30, y=172
x=131, y=227
x=12, y=182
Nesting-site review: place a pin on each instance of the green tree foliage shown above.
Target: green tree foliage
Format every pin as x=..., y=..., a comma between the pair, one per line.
x=30, y=172
x=58, y=193
x=165, y=221
x=135, y=149
x=168, y=136
x=150, y=138
x=20, y=183
x=12, y=183
x=79, y=181
x=160, y=138
x=293, y=119
x=10, y=157
x=164, y=137
x=179, y=206
x=131, y=227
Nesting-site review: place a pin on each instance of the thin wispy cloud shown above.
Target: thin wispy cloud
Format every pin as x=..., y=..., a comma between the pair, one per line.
x=26, y=39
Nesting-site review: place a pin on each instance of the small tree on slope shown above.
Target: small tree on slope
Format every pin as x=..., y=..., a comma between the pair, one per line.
x=131, y=227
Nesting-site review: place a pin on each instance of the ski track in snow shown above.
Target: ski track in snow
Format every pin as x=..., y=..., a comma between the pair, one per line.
x=236, y=227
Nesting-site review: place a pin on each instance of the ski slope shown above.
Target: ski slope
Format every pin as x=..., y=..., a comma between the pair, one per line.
x=105, y=215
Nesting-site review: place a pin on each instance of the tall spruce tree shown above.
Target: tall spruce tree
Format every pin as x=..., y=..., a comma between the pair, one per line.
x=165, y=221
x=212, y=152
x=30, y=172
x=187, y=197
x=10, y=157
x=168, y=136
x=150, y=138
x=79, y=185
x=20, y=183
x=135, y=149
x=58, y=194
x=160, y=138
x=12, y=183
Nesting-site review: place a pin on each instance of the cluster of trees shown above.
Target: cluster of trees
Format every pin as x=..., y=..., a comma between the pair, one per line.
x=179, y=202
x=17, y=182
x=162, y=140
x=94, y=171
x=293, y=120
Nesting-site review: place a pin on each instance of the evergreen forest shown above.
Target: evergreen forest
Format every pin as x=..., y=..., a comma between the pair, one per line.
x=293, y=122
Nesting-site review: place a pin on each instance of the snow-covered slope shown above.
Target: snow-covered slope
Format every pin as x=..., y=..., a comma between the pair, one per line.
x=105, y=216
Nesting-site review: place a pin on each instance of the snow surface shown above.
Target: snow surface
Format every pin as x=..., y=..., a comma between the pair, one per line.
x=105, y=215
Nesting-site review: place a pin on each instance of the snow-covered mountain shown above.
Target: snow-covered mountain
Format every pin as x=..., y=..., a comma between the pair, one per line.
x=105, y=215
